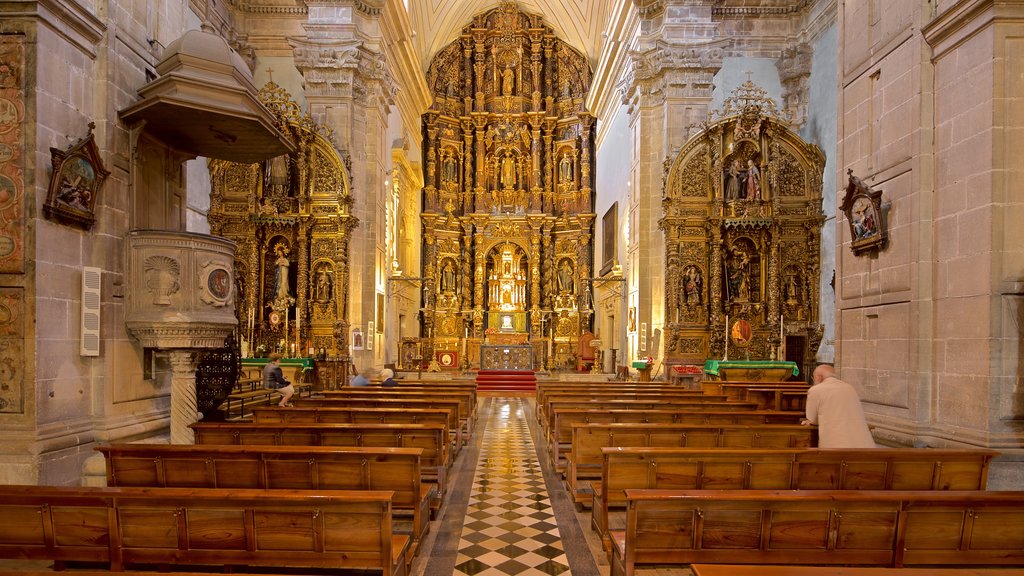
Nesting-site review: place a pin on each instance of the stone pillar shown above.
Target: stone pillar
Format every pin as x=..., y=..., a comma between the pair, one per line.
x=349, y=88
x=183, y=395
x=667, y=91
x=795, y=73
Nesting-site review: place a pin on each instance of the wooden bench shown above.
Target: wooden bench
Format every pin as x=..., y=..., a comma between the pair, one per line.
x=778, y=398
x=305, y=414
x=544, y=406
x=465, y=396
x=394, y=401
x=258, y=397
x=273, y=467
x=761, y=570
x=560, y=436
x=859, y=527
x=201, y=526
x=586, y=457
x=432, y=438
x=650, y=403
x=628, y=468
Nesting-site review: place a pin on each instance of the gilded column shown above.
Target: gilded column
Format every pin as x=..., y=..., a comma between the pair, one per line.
x=467, y=169
x=302, y=282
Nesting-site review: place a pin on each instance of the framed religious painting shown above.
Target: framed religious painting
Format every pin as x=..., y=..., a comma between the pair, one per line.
x=77, y=177
x=609, y=232
x=863, y=209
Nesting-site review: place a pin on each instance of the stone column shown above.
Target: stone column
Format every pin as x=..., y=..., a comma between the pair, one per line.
x=349, y=88
x=667, y=91
x=183, y=395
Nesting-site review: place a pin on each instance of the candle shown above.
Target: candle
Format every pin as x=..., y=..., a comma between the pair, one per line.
x=782, y=337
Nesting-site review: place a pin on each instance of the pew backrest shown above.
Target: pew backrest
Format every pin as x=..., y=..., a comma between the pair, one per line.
x=125, y=526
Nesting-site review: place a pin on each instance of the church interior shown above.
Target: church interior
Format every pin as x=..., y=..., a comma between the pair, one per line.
x=636, y=194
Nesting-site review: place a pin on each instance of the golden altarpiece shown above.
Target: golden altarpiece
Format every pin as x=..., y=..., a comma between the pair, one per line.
x=291, y=219
x=508, y=197
x=742, y=227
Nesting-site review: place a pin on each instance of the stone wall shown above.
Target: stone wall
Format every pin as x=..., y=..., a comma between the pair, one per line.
x=929, y=328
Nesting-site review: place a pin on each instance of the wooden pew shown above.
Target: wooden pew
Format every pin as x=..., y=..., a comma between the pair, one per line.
x=544, y=407
x=395, y=401
x=586, y=457
x=778, y=398
x=465, y=396
x=432, y=438
x=626, y=468
x=560, y=436
x=305, y=414
x=859, y=527
x=277, y=467
x=200, y=526
x=762, y=570
x=660, y=402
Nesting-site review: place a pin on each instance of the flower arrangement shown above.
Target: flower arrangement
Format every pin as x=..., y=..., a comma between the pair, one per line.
x=491, y=330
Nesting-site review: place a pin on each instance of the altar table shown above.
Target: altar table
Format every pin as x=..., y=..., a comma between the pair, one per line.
x=750, y=370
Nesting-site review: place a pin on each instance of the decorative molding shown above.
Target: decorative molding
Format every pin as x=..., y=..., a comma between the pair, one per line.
x=255, y=8
x=794, y=8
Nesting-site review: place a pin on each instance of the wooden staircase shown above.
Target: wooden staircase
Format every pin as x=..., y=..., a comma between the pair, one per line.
x=507, y=380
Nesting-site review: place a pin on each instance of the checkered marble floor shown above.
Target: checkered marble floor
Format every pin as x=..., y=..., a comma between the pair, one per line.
x=509, y=528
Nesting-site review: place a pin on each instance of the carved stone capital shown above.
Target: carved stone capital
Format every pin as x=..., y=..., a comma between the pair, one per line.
x=673, y=70
x=795, y=72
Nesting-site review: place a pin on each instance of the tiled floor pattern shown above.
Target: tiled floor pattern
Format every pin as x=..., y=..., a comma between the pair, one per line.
x=509, y=527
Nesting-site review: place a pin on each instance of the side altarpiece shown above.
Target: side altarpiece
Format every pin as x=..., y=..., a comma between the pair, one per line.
x=507, y=214
x=291, y=219
x=742, y=225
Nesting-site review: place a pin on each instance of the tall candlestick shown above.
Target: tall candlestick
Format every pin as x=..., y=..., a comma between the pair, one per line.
x=285, y=332
x=726, y=337
x=298, y=328
x=782, y=337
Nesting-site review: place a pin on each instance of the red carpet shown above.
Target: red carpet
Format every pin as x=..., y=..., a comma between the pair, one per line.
x=506, y=380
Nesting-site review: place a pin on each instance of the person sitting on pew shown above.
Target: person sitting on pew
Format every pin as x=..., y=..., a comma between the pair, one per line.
x=835, y=407
x=387, y=377
x=358, y=378
x=274, y=379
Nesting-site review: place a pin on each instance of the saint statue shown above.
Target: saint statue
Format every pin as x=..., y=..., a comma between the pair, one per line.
x=753, y=181
x=733, y=187
x=508, y=172
x=508, y=80
x=565, y=168
x=281, y=290
x=565, y=284
x=448, y=278
x=322, y=286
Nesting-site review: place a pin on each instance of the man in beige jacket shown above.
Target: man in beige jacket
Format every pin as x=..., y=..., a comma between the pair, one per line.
x=835, y=407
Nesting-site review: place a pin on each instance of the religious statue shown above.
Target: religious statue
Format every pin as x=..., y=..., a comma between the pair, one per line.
x=565, y=283
x=448, y=278
x=508, y=172
x=281, y=289
x=565, y=168
x=322, y=285
x=277, y=174
x=733, y=186
x=739, y=283
x=753, y=188
x=693, y=285
x=449, y=172
x=792, y=291
x=508, y=79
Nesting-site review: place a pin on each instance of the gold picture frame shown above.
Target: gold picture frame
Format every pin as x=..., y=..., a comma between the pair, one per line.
x=863, y=209
x=77, y=177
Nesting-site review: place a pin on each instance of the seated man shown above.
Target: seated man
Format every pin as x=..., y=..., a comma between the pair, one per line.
x=274, y=379
x=387, y=377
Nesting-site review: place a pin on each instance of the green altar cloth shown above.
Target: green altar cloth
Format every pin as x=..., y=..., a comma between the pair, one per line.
x=751, y=370
x=305, y=364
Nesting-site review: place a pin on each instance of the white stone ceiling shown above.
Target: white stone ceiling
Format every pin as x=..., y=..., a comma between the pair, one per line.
x=578, y=22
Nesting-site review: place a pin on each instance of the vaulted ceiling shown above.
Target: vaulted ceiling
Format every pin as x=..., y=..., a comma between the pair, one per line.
x=578, y=22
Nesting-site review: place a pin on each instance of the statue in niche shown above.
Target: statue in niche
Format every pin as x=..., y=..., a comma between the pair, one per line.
x=449, y=171
x=508, y=80
x=565, y=283
x=734, y=182
x=753, y=187
x=448, y=278
x=565, y=168
x=282, y=265
x=693, y=285
x=739, y=276
x=508, y=172
x=322, y=285
x=277, y=175
x=792, y=290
